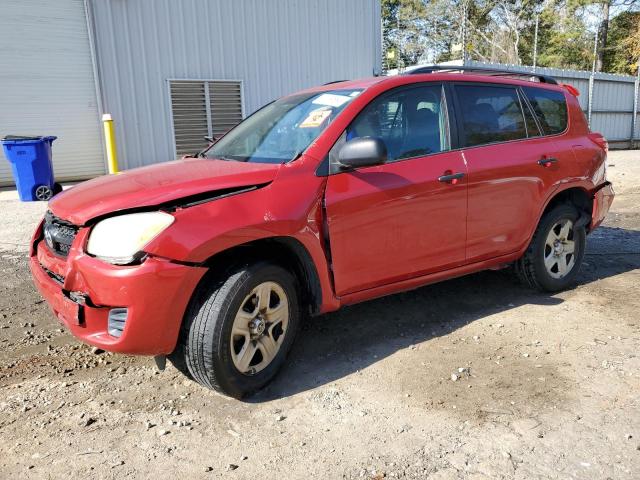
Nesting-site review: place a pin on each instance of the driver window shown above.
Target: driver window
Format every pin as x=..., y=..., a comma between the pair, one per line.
x=411, y=122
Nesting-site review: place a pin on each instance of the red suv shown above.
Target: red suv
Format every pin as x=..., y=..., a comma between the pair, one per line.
x=324, y=198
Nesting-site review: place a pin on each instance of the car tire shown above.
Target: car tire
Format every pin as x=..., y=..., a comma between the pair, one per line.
x=252, y=309
x=552, y=260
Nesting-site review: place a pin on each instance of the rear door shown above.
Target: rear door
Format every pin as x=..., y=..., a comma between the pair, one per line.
x=573, y=151
x=508, y=177
x=402, y=219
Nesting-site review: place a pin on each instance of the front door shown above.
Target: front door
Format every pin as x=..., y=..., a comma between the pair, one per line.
x=407, y=217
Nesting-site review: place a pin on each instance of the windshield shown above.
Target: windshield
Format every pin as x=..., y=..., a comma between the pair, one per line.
x=282, y=130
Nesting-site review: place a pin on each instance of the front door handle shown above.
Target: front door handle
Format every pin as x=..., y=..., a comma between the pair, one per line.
x=547, y=161
x=451, y=178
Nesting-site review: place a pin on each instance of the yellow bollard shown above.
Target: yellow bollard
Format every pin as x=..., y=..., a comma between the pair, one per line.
x=110, y=142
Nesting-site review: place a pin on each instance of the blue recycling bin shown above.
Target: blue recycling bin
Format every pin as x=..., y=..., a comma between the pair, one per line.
x=30, y=159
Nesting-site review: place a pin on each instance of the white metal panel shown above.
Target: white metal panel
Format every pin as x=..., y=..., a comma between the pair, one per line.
x=614, y=96
x=273, y=47
x=614, y=126
x=47, y=84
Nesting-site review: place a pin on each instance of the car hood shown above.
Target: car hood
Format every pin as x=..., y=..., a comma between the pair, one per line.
x=156, y=185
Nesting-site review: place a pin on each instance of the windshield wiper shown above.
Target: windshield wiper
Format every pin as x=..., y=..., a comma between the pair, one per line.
x=297, y=155
x=212, y=140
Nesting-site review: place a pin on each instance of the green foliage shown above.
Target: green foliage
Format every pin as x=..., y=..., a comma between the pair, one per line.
x=413, y=30
x=563, y=39
x=503, y=31
x=623, y=46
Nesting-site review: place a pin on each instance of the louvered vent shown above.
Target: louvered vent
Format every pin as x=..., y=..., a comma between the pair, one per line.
x=189, y=107
x=203, y=108
x=226, y=106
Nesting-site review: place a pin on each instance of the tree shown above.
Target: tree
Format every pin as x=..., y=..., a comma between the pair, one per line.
x=512, y=19
x=502, y=31
x=564, y=40
x=478, y=40
x=403, y=28
x=603, y=31
x=604, y=9
x=623, y=51
x=415, y=31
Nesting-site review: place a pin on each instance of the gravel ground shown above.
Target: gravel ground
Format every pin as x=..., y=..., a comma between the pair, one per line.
x=472, y=378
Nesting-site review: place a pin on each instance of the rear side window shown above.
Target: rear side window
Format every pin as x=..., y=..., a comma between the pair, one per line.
x=490, y=114
x=550, y=107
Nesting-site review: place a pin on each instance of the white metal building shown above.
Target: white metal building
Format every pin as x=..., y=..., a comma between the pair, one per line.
x=47, y=85
x=168, y=71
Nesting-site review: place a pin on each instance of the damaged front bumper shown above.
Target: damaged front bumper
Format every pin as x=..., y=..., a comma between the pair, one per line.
x=148, y=299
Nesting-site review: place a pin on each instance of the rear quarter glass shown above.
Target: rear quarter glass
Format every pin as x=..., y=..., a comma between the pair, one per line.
x=550, y=107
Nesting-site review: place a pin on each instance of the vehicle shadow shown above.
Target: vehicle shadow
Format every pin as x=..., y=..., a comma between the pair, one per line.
x=338, y=344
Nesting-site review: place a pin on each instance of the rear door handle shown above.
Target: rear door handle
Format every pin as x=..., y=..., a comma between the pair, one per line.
x=451, y=178
x=547, y=161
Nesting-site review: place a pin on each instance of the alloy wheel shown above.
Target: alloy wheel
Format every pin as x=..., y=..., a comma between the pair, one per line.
x=259, y=328
x=559, y=249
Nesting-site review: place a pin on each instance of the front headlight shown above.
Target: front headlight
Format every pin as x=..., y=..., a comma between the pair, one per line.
x=118, y=239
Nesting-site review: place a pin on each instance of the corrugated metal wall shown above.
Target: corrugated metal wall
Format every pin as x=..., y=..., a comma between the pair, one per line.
x=47, y=85
x=273, y=47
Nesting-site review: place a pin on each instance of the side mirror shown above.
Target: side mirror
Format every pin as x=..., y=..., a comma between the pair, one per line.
x=362, y=152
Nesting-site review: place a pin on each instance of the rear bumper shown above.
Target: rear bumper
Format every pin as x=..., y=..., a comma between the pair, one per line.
x=602, y=200
x=155, y=294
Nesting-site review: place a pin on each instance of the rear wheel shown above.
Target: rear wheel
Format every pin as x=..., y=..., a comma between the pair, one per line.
x=555, y=254
x=239, y=330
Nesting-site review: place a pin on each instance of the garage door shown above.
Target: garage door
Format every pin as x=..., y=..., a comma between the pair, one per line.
x=47, y=86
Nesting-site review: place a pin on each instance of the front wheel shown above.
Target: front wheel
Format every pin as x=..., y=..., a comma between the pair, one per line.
x=239, y=329
x=555, y=254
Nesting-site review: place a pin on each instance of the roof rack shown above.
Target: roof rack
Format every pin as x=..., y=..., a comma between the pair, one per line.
x=335, y=81
x=484, y=71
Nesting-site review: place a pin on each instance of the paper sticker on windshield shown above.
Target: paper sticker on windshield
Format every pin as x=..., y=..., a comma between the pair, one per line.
x=331, y=100
x=315, y=118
